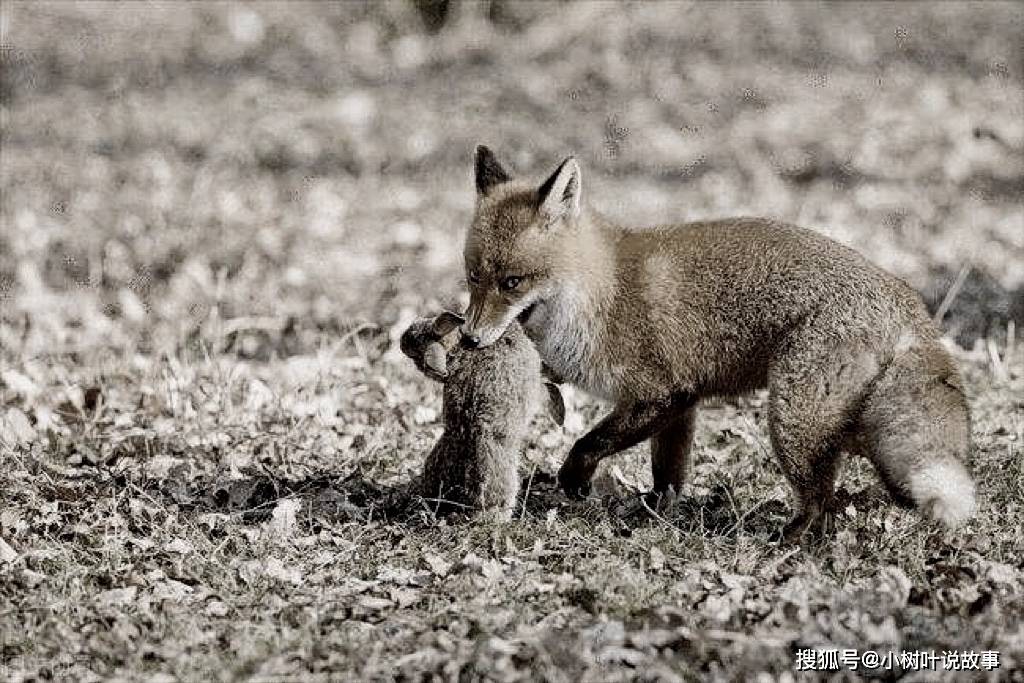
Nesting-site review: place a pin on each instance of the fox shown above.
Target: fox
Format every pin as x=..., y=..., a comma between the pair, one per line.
x=654, y=320
x=490, y=396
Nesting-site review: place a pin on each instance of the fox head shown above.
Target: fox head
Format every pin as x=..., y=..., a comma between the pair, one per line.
x=515, y=244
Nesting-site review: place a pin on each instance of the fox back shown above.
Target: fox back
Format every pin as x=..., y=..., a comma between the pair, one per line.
x=700, y=306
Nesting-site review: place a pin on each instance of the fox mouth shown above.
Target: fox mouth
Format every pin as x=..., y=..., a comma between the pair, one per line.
x=524, y=315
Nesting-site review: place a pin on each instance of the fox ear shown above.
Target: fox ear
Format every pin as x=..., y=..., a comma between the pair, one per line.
x=559, y=196
x=488, y=171
x=556, y=406
x=446, y=323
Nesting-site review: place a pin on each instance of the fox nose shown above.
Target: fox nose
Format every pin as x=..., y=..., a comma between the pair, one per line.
x=471, y=341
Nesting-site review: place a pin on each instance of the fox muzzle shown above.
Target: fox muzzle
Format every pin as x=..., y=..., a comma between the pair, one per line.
x=483, y=325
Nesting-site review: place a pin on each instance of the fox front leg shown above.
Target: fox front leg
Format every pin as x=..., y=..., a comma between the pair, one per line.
x=626, y=426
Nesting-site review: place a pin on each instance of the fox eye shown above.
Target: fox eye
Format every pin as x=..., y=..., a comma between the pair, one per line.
x=510, y=283
x=473, y=278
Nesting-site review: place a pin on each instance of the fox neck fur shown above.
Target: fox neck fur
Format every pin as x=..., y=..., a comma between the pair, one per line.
x=568, y=323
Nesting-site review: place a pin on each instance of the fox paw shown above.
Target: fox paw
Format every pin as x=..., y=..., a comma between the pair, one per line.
x=577, y=491
x=574, y=485
x=660, y=501
x=814, y=525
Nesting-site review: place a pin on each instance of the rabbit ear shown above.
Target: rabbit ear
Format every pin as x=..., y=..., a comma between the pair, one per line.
x=435, y=361
x=556, y=406
x=446, y=323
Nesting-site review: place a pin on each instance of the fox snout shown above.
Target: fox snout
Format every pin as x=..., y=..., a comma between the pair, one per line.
x=478, y=337
x=483, y=326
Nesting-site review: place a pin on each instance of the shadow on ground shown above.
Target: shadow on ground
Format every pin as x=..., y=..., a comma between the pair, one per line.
x=326, y=498
x=331, y=499
x=719, y=511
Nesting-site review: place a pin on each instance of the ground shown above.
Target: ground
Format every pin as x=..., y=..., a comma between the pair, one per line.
x=217, y=219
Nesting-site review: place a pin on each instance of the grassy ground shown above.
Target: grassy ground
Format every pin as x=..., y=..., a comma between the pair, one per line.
x=217, y=218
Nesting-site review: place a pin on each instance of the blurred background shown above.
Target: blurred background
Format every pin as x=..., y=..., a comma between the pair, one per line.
x=264, y=178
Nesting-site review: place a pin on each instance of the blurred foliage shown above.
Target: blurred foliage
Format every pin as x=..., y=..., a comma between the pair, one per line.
x=310, y=160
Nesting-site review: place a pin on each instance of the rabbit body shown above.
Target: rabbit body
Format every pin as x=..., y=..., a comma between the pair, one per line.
x=490, y=397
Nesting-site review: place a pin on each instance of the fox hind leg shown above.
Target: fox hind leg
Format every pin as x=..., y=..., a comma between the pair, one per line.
x=915, y=428
x=670, y=452
x=810, y=461
x=814, y=391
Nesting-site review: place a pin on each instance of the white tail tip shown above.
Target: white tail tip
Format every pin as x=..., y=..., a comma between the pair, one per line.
x=945, y=492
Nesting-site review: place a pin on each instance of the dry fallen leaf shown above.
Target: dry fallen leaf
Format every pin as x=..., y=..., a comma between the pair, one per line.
x=283, y=520
x=404, y=597
x=17, y=428
x=276, y=569
x=216, y=608
x=718, y=607
x=19, y=383
x=657, y=559
x=117, y=597
x=169, y=589
x=492, y=570
x=7, y=553
x=179, y=546
x=437, y=564
x=371, y=603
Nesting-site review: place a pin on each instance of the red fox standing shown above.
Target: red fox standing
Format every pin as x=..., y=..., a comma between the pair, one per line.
x=655, y=320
